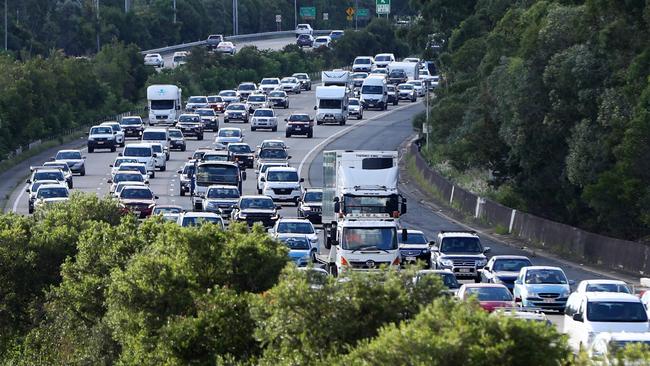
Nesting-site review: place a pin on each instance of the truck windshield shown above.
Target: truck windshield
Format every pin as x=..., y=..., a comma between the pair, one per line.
x=282, y=176
x=381, y=238
x=223, y=193
x=162, y=104
x=138, y=151
x=154, y=136
x=372, y=89
x=615, y=311
x=329, y=103
x=461, y=245
x=369, y=204
x=207, y=174
x=52, y=192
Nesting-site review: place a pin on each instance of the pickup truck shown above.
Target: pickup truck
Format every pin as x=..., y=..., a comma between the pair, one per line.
x=461, y=252
x=213, y=41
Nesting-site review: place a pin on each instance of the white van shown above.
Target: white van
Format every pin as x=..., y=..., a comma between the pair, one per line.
x=374, y=93
x=363, y=64
x=383, y=59
x=157, y=136
x=164, y=104
x=590, y=313
x=332, y=104
x=144, y=154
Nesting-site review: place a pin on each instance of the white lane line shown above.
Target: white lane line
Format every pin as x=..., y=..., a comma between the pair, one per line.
x=343, y=131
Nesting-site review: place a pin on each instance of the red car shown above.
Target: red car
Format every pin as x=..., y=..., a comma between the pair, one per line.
x=138, y=200
x=217, y=103
x=490, y=296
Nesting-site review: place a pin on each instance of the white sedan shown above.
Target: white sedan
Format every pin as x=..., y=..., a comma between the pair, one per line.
x=226, y=47
x=154, y=59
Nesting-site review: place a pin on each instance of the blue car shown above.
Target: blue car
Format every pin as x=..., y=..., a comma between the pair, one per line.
x=300, y=249
x=542, y=287
x=336, y=34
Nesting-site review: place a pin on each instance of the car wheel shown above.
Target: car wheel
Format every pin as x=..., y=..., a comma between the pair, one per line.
x=225, y=120
x=360, y=116
x=113, y=148
x=477, y=279
x=153, y=174
x=183, y=148
x=83, y=171
x=395, y=102
x=70, y=185
x=342, y=123
x=318, y=123
x=30, y=210
x=295, y=202
x=287, y=135
x=259, y=191
x=253, y=129
x=166, y=157
x=200, y=137
x=310, y=134
x=274, y=129
x=286, y=106
x=163, y=168
x=182, y=193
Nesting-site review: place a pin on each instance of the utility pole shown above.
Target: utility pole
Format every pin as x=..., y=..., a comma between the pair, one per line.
x=98, y=27
x=295, y=14
x=356, y=14
x=174, y=6
x=235, y=18
x=6, y=29
x=427, y=115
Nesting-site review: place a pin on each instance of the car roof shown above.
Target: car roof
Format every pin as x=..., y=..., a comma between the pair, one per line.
x=463, y=234
x=156, y=129
x=434, y=271
x=48, y=170
x=602, y=281
x=129, y=172
x=281, y=169
x=52, y=185
x=611, y=296
x=230, y=128
x=61, y=151
x=138, y=187
x=482, y=285
x=256, y=196
x=275, y=140
x=509, y=257
x=295, y=220
x=221, y=186
x=411, y=231
x=199, y=214
x=533, y=268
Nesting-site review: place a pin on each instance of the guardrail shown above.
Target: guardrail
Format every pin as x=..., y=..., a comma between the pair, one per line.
x=237, y=38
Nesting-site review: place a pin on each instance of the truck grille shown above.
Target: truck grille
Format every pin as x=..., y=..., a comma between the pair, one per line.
x=464, y=263
x=410, y=253
x=368, y=264
x=282, y=190
x=161, y=117
x=549, y=295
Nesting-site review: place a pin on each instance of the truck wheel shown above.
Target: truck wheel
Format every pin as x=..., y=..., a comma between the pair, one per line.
x=83, y=171
x=113, y=148
x=163, y=168
x=274, y=129
x=199, y=137
x=287, y=135
x=182, y=192
x=319, y=123
x=310, y=134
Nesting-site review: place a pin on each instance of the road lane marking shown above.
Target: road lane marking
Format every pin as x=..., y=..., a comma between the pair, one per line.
x=343, y=131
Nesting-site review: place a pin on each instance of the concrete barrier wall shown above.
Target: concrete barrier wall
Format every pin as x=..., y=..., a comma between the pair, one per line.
x=573, y=243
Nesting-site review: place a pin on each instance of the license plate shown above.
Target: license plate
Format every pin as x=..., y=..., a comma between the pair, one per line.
x=330, y=118
x=298, y=128
x=549, y=300
x=410, y=259
x=100, y=142
x=464, y=270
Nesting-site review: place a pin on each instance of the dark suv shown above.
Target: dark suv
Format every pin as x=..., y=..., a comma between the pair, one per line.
x=300, y=124
x=252, y=209
x=190, y=125
x=310, y=205
x=305, y=40
x=242, y=154
x=132, y=126
x=397, y=77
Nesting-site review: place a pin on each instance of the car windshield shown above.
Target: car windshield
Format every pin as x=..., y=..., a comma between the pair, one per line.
x=608, y=287
x=206, y=112
x=128, y=177
x=277, y=94
x=58, y=176
x=397, y=74
x=321, y=40
x=382, y=58
x=246, y=87
x=273, y=145
x=167, y=210
x=186, y=118
x=329, y=103
x=405, y=87
x=157, y=148
x=35, y=185
x=179, y=58
x=303, y=36
x=372, y=89
x=52, y=192
x=299, y=118
x=266, y=166
x=245, y=149
x=223, y=193
x=120, y=161
x=296, y=243
x=415, y=238
x=62, y=166
x=313, y=197
x=269, y=81
x=229, y=133
x=281, y=176
x=101, y=131
x=214, y=157
x=115, y=127
x=289, y=81
x=175, y=133
x=197, y=100
x=546, y=276
x=362, y=61
x=449, y=280
x=196, y=221
x=68, y=155
x=257, y=98
x=236, y=107
x=616, y=311
x=415, y=83
x=379, y=71
x=131, y=193
x=138, y=151
x=360, y=75
x=273, y=154
x=461, y=245
x=263, y=113
x=139, y=168
x=489, y=293
x=300, y=76
x=295, y=228
x=228, y=93
x=257, y=203
x=217, y=173
x=188, y=169
x=510, y=265
x=369, y=238
x=353, y=102
x=154, y=136
x=215, y=99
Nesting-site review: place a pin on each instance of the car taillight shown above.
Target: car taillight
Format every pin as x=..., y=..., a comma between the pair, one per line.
x=344, y=262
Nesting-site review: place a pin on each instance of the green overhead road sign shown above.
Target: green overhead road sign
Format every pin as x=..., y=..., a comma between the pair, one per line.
x=383, y=6
x=308, y=12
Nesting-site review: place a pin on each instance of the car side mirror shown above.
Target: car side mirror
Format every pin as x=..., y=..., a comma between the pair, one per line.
x=178, y=108
x=179, y=171
x=278, y=207
x=114, y=132
x=289, y=157
x=243, y=175
x=302, y=180
x=572, y=282
x=83, y=157
x=146, y=181
x=155, y=155
x=578, y=317
x=146, y=108
x=52, y=158
x=118, y=154
x=432, y=244
x=262, y=179
x=27, y=190
x=315, y=108
x=286, y=120
x=486, y=250
x=405, y=235
x=110, y=165
x=109, y=181
x=28, y=181
x=385, y=93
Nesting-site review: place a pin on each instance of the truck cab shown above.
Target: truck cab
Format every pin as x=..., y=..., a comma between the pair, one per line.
x=208, y=173
x=461, y=252
x=332, y=105
x=164, y=104
x=374, y=93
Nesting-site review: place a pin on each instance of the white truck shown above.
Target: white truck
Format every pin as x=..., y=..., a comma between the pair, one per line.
x=336, y=78
x=331, y=104
x=361, y=209
x=412, y=69
x=164, y=104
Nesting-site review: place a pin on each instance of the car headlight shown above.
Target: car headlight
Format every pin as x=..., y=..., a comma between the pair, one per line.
x=306, y=208
x=447, y=262
x=425, y=251
x=481, y=262
x=531, y=294
x=496, y=279
x=565, y=293
x=241, y=215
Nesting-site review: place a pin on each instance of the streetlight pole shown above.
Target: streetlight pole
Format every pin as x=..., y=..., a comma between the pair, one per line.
x=427, y=115
x=356, y=15
x=235, y=18
x=98, y=25
x=295, y=14
x=174, y=6
x=6, y=29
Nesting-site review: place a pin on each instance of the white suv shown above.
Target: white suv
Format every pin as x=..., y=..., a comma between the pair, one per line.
x=282, y=184
x=304, y=29
x=119, y=134
x=144, y=154
x=264, y=118
x=157, y=135
x=269, y=84
x=261, y=173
